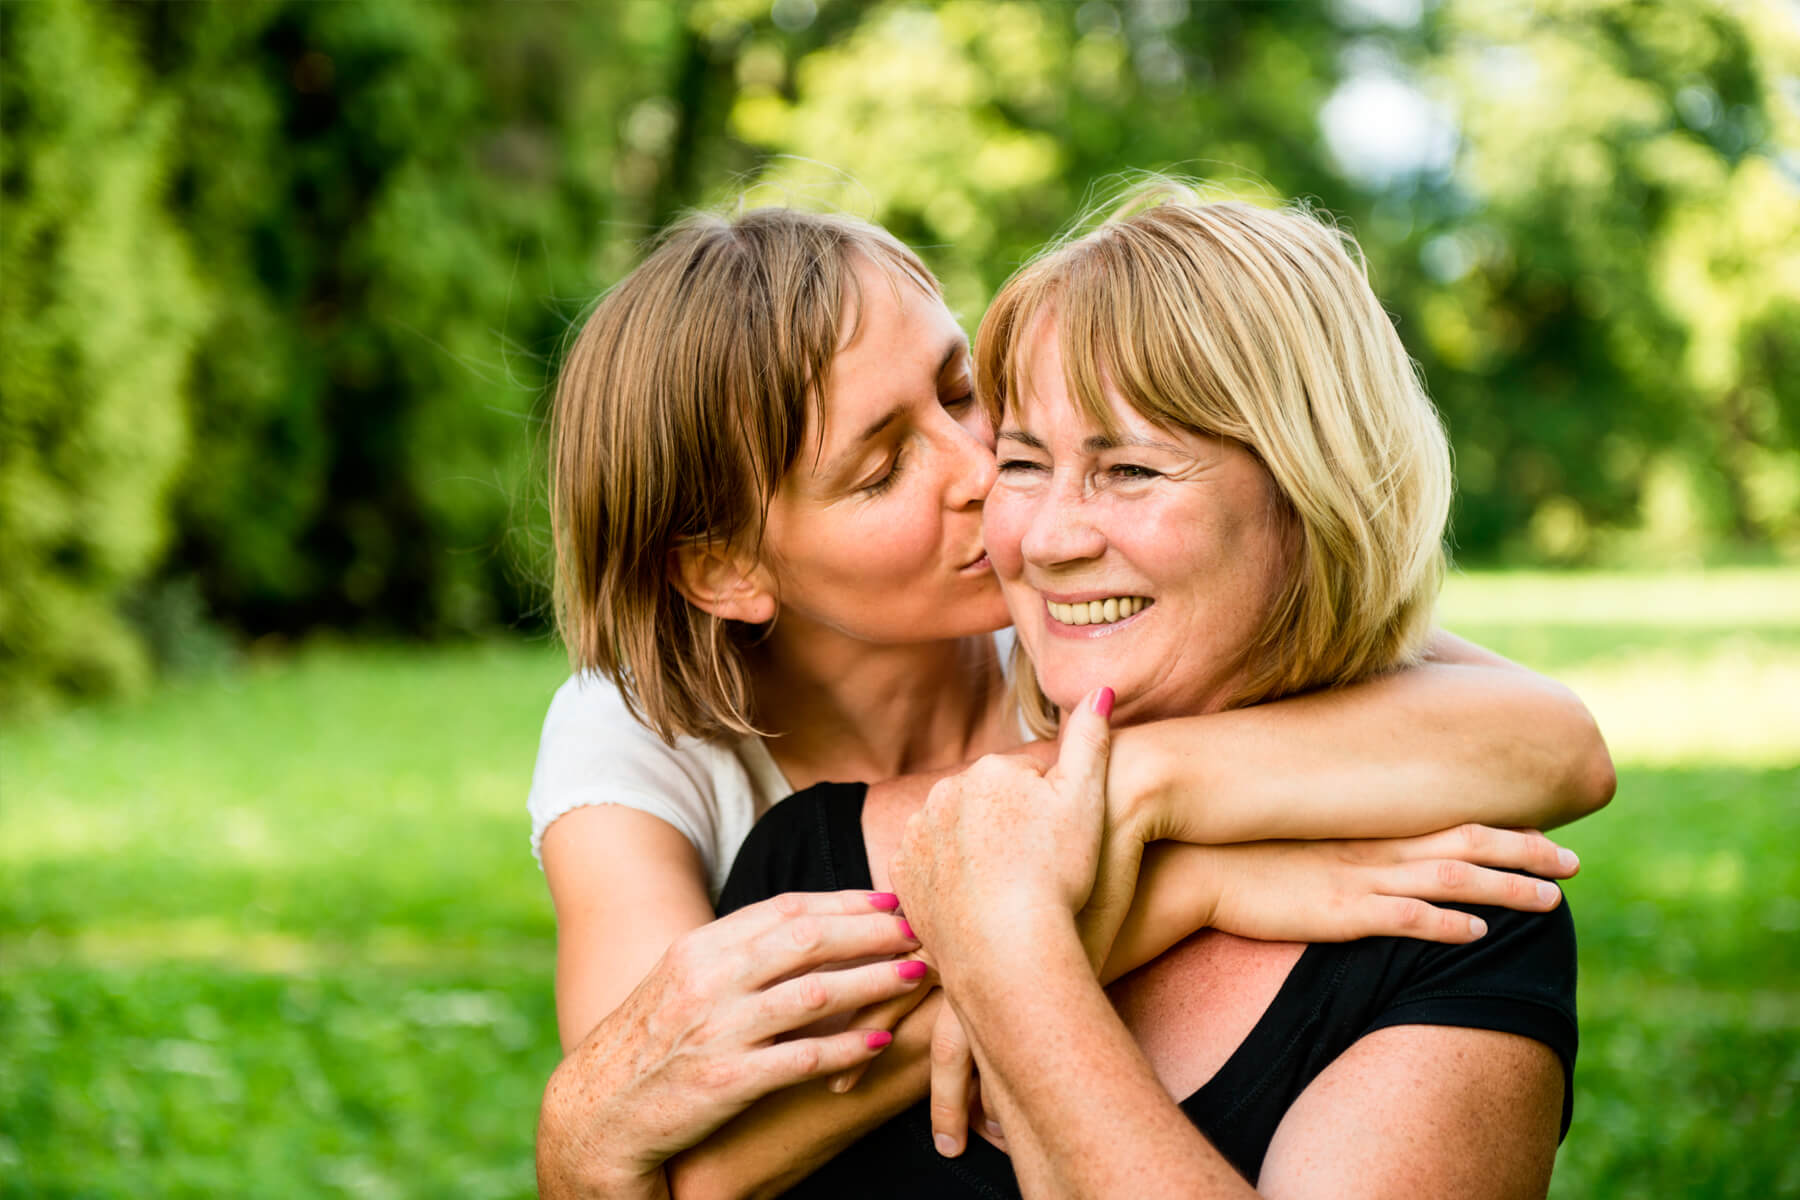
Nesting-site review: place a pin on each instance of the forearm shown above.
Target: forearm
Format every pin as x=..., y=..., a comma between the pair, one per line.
x=1177, y=894
x=785, y=1136
x=1068, y=1080
x=1411, y=752
x=569, y=1165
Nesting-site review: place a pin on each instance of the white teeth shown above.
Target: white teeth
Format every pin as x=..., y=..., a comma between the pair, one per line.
x=1097, y=612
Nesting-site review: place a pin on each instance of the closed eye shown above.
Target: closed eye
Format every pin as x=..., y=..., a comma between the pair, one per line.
x=1009, y=465
x=887, y=479
x=1132, y=471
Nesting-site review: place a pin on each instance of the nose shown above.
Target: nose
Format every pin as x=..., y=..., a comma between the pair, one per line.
x=1062, y=529
x=973, y=469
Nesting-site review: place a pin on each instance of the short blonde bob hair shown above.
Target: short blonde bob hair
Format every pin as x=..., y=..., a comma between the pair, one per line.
x=679, y=407
x=1256, y=325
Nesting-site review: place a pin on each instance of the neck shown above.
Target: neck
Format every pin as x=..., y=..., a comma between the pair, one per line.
x=850, y=710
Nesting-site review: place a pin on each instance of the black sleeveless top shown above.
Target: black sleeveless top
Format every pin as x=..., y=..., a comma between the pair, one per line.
x=1519, y=978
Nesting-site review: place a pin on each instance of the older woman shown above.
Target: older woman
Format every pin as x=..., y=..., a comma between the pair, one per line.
x=1220, y=483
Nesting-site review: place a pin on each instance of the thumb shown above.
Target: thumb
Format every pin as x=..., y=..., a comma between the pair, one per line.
x=1086, y=742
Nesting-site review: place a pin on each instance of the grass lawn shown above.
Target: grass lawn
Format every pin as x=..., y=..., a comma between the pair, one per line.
x=279, y=933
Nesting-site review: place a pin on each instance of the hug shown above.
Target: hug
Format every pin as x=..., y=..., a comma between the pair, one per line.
x=1191, y=466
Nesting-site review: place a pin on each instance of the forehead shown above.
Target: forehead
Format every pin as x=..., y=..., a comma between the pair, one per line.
x=884, y=308
x=1043, y=398
x=895, y=336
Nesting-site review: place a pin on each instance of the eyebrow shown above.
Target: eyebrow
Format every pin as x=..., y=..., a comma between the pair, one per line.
x=1095, y=444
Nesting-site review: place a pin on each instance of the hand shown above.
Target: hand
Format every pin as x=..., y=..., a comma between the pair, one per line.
x=1332, y=891
x=1006, y=837
x=885, y=1015
x=704, y=1034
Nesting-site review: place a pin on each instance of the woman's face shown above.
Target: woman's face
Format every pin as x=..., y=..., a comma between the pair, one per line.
x=1174, y=538
x=875, y=533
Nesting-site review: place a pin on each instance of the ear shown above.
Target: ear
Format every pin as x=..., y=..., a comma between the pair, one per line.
x=723, y=582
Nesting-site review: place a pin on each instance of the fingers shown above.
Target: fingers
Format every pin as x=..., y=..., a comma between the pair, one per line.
x=1454, y=880
x=886, y=1014
x=1409, y=917
x=797, y=1003
x=811, y=938
x=952, y=1077
x=1086, y=741
x=1514, y=849
x=787, y=1063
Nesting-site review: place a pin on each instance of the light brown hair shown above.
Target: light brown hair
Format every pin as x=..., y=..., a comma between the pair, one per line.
x=1259, y=326
x=679, y=407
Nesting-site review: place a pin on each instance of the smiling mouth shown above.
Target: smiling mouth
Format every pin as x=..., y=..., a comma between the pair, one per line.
x=1097, y=612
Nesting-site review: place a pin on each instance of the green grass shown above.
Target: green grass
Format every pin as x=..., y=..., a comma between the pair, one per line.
x=278, y=933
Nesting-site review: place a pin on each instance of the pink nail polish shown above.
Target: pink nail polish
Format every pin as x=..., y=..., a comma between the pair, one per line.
x=885, y=901
x=906, y=929
x=911, y=968
x=875, y=1039
x=1103, y=702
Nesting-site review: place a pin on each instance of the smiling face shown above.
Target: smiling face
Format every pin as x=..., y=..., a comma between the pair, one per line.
x=1144, y=559
x=875, y=532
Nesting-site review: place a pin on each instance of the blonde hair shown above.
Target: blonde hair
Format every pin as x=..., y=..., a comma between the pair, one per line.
x=679, y=407
x=1259, y=326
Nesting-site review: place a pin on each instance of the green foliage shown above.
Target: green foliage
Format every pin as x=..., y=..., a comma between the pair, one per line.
x=98, y=314
x=285, y=281
x=390, y=191
x=1621, y=295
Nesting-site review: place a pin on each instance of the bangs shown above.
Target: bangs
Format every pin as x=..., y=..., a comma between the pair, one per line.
x=1124, y=320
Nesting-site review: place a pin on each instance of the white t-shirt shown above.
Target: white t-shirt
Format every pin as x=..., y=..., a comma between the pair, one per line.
x=593, y=751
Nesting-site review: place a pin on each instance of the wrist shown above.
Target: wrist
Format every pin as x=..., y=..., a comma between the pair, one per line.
x=572, y=1162
x=1141, y=776
x=1008, y=945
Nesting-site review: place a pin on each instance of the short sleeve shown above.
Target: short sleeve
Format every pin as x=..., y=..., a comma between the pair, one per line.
x=1517, y=978
x=593, y=751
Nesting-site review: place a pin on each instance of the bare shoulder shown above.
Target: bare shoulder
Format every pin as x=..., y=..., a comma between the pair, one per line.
x=1430, y=1110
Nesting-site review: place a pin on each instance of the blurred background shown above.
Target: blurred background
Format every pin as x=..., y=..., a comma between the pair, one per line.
x=282, y=287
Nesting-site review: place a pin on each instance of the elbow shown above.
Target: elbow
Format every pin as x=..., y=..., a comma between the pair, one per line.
x=1599, y=780
x=1591, y=779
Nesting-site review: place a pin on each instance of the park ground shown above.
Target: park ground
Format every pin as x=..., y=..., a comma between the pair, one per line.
x=277, y=931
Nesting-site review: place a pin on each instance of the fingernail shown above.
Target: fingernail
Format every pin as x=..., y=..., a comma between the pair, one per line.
x=911, y=968
x=993, y=1128
x=885, y=901
x=1547, y=894
x=876, y=1039
x=1477, y=926
x=1103, y=701
x=839, y=1084
x=906, y=929
x=1567, y=861
x=946, y=1145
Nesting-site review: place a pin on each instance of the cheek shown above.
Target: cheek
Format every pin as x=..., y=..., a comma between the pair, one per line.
x=890, y=541
x=1004, y=518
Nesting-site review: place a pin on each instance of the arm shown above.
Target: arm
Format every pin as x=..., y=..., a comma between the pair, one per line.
x=681, y=1019
x=993, y=869
x=625, y=885
x=1465, y=736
